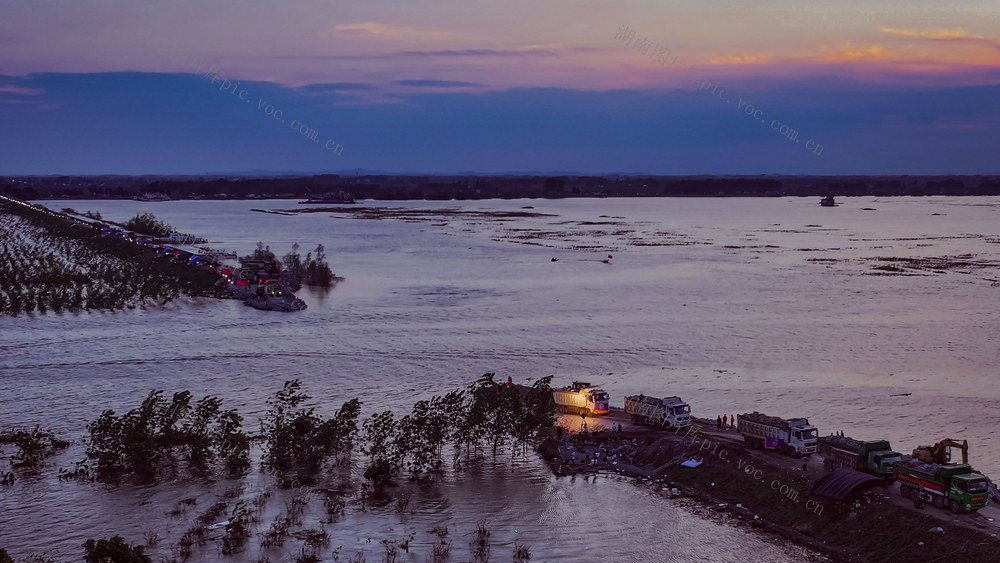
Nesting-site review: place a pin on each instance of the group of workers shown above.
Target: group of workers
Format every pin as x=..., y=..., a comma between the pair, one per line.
x=585, y=430
x=722, y=422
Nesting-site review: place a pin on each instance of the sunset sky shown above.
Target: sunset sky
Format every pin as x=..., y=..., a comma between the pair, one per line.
x=119, y=86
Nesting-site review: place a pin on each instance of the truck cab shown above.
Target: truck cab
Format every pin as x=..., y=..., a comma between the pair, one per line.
x=969, y=491
x=678, y=412
x=803, y=438
x=598, y=400
x=884, y=462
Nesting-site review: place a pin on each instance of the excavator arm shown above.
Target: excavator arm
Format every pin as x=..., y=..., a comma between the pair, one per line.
x=949, y=443
x=939, y=453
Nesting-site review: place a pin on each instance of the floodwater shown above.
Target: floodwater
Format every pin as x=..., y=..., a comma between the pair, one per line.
x=879, y=317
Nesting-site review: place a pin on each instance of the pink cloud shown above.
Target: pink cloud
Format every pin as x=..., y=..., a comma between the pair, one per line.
x=21, y=90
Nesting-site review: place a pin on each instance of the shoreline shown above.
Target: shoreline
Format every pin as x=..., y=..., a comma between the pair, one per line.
x=353, y=185
x=768, y=492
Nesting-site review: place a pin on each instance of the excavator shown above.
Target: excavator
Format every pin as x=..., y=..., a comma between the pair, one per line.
x=940, y=452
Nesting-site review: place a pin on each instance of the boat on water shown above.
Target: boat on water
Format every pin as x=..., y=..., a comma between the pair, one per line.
x=828, y=202
x=152, y=197
x=330, y=197
x=272, y=298
x=217, y=253
x=181, y=238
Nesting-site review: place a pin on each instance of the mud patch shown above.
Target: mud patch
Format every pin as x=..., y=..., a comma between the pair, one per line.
x=930, y=265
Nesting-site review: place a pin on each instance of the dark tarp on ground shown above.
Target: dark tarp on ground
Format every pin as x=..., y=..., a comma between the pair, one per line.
x=844, y=483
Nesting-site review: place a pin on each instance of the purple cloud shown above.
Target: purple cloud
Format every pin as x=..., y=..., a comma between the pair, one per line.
x=427, y=54
x=436, y=83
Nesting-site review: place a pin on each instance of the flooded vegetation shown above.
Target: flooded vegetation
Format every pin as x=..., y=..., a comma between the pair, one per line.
x=48, y=263
x=34, y=447
x=309, y=270
x=182, y=438
x=161, y=433
x=744, y=318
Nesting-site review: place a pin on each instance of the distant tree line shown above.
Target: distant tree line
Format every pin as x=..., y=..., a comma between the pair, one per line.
x=396, y=187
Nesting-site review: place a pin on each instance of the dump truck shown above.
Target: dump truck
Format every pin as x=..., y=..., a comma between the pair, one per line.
x=582, y=398
x=668, y=412
x=955, y=486
x=792, y=436
x=873, y=456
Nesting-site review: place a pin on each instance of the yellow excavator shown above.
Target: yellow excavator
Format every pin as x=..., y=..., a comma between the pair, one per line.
x=940, y=452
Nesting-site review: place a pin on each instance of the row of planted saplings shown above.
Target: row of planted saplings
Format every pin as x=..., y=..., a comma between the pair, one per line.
x=41, y=271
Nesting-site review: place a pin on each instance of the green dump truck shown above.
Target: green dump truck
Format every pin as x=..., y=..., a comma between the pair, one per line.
x=873, y=456
x=953, y=485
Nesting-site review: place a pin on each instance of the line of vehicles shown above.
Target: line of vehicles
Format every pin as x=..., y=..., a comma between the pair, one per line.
x=155, y=245
x=928, y=475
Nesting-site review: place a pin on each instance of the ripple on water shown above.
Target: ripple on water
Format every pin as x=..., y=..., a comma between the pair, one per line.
x=790, y=336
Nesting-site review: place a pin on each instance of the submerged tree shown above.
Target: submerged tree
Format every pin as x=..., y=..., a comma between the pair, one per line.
x=487, y=411
x=491, y=414
x=426, y=431
x=293, y=261
x=298, y=438
x=381, y=444
x=318, y=272
x=34, y=446
x=311, y=270
x=138, y=440
x=535, y=412
x=114, y=550
x=261, y=253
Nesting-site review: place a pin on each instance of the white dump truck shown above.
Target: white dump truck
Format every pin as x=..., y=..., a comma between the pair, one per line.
x=582, y=398
x=792, y=436
x=669, y=412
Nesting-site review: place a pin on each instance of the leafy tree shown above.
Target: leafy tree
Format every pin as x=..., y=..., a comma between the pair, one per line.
x=293, y=262
x=33, y=446
x=234, y=445
x=490, y=414
x=425, y=432
x=318, y=271
x=139, y=440
x=148, y=224
x=261, y=253
x=382, y=447
x=536, y=412
x=298, y=438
